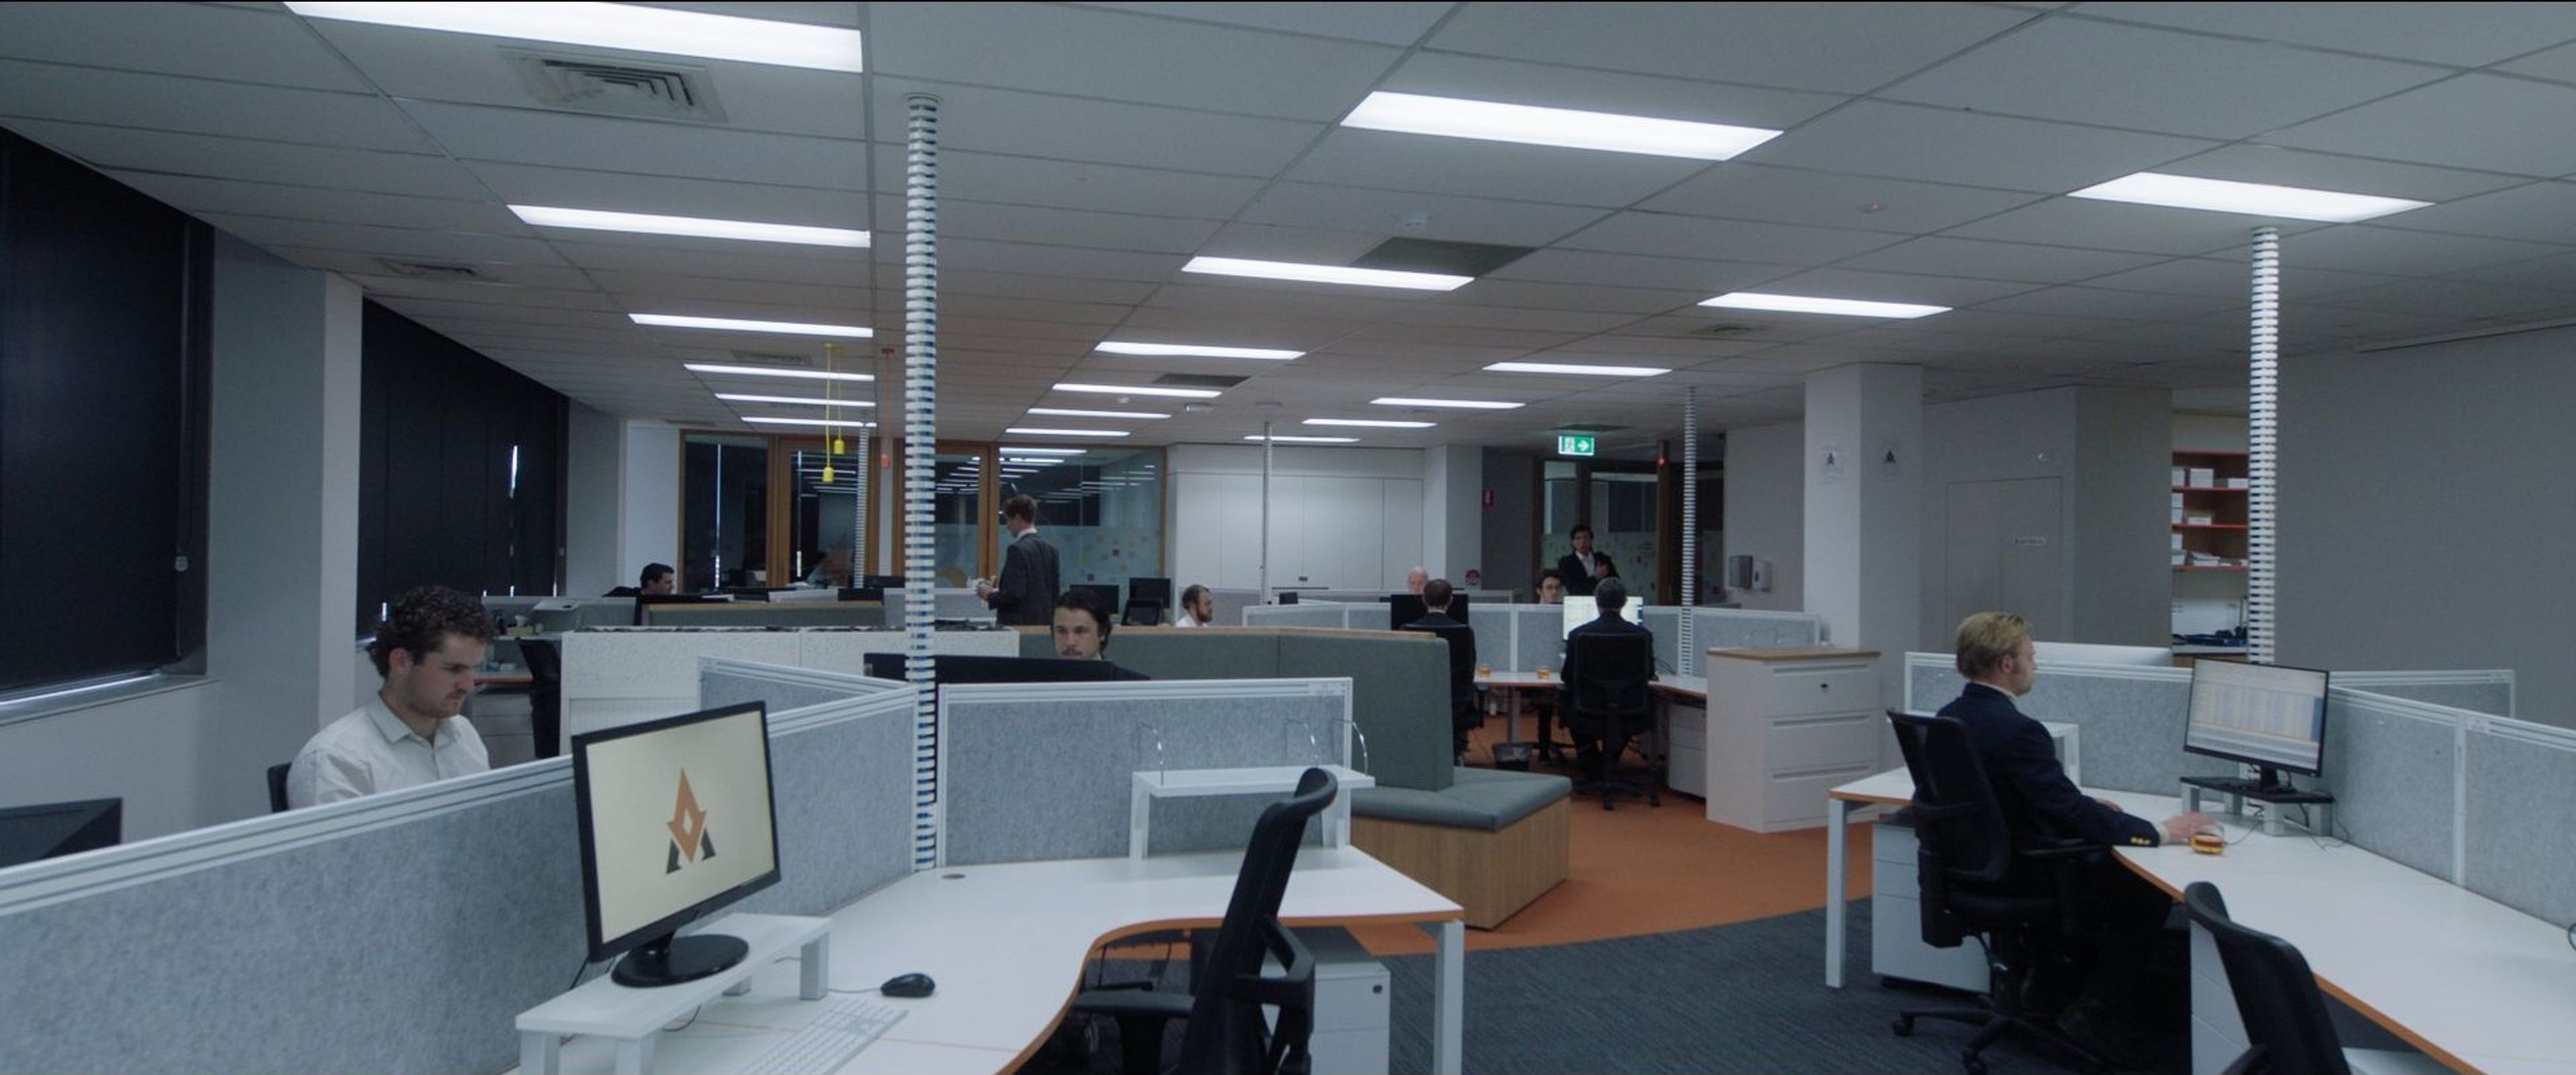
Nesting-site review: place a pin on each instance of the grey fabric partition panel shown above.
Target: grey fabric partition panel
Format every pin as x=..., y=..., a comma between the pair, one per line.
x=1044, y=771
x=2489, y=692
x=1298, y=615
x=841, y=774
x=1178, y=653
x=1720, y=628
x=722, y=687
x=2520, y=798
x=1542, y=640
x=772, y=614
x=1493, y=626
x=1666, y=623
x=2391, y=767
x=1399, y=698
x=2132, y=720
x=1229, y=604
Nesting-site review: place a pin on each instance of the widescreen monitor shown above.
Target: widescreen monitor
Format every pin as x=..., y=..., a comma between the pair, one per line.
x=1581, y=609
x=52, y=830
x=2263, y=715
x=967, y=668
x=1404, y=608
x=1149, y=590
x=1107, y=592
x=676, y=822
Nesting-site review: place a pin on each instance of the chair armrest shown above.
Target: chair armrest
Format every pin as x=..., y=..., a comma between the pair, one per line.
x=1131, y=1003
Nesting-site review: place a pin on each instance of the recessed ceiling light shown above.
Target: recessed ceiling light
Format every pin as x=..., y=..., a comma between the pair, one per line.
x=1368, y=423
x=1810, y=304
x=1460, y=404
x=731, y=324
x=2252, y=199
x=1327, y=274
x=1494, y=121
x=816, y=401
x=1137, y=390
x=1025, y=431
x=1059, y=412
x=1286, y=439
x=812, y=422
x=548, y=216
x=632, y=27
x=1580, y=371
x=1115, y=347
x=774, y=371
x=1009, y=450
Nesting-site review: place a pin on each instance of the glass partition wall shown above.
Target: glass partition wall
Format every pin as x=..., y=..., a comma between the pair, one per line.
x=1102, y=507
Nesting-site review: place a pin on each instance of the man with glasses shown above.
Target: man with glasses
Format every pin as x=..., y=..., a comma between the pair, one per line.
x=1027, y=591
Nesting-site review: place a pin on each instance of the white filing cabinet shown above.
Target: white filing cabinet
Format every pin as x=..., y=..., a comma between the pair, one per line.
x=1350, y=1035
x=1685, y=743
x=1896, y=948
x=1784, y=727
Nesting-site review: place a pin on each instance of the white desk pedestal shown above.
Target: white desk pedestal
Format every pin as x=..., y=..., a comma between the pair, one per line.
x=635, y=1017
x=1189, y=783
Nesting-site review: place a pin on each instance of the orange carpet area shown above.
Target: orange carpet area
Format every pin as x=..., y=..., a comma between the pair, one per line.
x=1641, y=869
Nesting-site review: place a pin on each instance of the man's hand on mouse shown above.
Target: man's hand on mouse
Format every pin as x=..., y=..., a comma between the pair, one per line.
x=2178, y=828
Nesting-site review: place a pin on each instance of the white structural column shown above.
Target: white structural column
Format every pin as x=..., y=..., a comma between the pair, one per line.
x=2262, y=427
x=1864, y=512
x=1453, y=531
x=920, y=443
x=1269, y=450
x=1690, y=533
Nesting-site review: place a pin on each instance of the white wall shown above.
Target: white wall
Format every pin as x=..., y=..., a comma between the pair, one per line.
x=648, y=493
x=1453, y=524
x=2426, y=512
x=1347, y=518
x=594, y=452
x=1766, y=499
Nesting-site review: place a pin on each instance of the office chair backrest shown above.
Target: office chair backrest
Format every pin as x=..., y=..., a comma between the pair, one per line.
x=544, y=658
x=1140, y=614
x=2276, y=995
x=1614, y=670
x=1226, y=1034
x=277, y=786
x=1957, y=817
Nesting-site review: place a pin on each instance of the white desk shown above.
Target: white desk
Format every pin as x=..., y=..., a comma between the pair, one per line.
x=1006, y=945
x=1509, y=685
x=2479, y=986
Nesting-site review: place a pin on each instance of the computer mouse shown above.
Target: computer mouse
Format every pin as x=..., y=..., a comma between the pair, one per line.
x=908, y=986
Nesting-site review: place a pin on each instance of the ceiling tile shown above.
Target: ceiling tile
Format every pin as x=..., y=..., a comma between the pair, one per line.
x=349, y=263
x=2253, y=163
x=1843, y=282
x=2473, y=121
x=1492, y=291
x=734, y=262
x=2541, y=212
x=196, y=40
x=1478, y=169
x=478, y=133
x=2451, y=299
x=1752, y=192
x=1310, y=246
x=1638, y=271
x=2113, y=226
x=2368, y=249
x=201, y=106
x=844, y=206
x=1446, y=74
x=200, y=196
x=1057, y=227
x=2230, y=279
x=1948, y=146
x=2556, y=64
x=1073, y=185
x=400, y=242
x=1088, y=52
x=1387, y=23
x=257, y=161
x=2155, y=80
x=1423, y=216
x=2461, y=34
x=1666, y=235
x=1997, y=261
x=2117, y=305
x=974, y=118
x=1844, y=48
x=2557, y=272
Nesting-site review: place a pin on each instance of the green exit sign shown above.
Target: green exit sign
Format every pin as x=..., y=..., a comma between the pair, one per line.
x=1574, y=444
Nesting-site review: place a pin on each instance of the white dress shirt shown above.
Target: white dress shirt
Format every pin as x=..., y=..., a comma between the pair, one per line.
x=372, y=750
x=1187, y=620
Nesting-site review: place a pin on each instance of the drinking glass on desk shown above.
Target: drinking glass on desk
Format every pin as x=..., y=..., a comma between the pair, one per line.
x=1541, y=672
x=1484, y=671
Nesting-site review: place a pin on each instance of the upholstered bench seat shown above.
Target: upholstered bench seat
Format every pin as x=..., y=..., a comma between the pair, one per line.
x=1491, y=840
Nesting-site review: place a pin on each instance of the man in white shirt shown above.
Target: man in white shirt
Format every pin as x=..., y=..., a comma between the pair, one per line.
x=1198, y=607
x=409, y=734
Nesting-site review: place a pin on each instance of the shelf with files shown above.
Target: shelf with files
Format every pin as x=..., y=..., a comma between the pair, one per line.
x=2210, y=531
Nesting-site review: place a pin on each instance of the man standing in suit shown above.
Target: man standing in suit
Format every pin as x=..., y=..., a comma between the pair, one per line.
x=1584, y=569
x=1609, y=597
x=1027, y=591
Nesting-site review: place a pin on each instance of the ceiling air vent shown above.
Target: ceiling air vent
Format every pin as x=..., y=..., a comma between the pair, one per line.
x=1199, y=380
x=431, y=270
x=1440, y=256
x=582, y=84
x=1727, y=328
x=1595, y=430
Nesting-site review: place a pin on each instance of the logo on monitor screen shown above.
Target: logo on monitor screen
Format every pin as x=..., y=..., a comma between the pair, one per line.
x=690, y=841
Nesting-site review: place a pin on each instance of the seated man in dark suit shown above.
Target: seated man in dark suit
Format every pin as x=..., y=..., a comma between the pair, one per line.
x=1994, y=652
x=657, y=579
x=1464, y=717
x=1609, y=597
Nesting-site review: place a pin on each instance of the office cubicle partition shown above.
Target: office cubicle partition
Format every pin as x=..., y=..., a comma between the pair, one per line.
x=264, y=945
x=2485, y=690
x=616, y=677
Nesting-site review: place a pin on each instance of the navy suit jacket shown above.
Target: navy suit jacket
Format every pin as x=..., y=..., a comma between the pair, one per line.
x=1611, y=624
x=1579, y=582
x=1027, y=590
x=2036, y=795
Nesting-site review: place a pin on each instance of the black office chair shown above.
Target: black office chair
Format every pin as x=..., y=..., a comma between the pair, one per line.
x=1147, y=598
x=1975, y=881
x=277, y=787
x=1464, y=714
x=1140, y=614
x=544, y=658
x=1607, y=702
x=2286, y=1023
x=1226, y=1034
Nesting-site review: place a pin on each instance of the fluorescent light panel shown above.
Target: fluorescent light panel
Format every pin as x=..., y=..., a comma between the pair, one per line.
x=1059, y=412
x=617, y=26
x=1369, y=423
x=1580, y=371
x=831, y=422
x=1286, y=439
x=1494, y=121
x=1326, y=274
x=1009, y=450
x=1199, y=350
x=1811, y=304
x=1457, y=404
x=732, y=324
x=548, y=216
x=1137, y=390
x=1027, y=431
x=773, y=371
x=816, y=401
x=2252, y=199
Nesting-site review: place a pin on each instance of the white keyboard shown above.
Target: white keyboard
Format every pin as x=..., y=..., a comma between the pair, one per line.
x=847, y=1024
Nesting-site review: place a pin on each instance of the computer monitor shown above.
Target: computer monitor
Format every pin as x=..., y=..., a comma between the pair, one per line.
x=1404, y=608
x=1151, y=591
x=965, y=668
x=2267, y=716
x=862, y=593
x=52, y=830
x=1582, y=609
x=676, y=821
x=882, y=582
x=644, y=605
x=1107, y=592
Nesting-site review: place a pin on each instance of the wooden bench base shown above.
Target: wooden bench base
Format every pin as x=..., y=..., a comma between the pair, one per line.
x=1492, y=874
